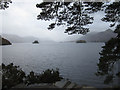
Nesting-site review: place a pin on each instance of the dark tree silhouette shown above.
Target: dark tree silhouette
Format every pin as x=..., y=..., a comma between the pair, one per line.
x=4, y=4
x=110, y=54
x=112, y=13
x=13, y=75
x=76, y=15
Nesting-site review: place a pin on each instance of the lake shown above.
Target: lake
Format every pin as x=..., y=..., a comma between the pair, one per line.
x=76, y=61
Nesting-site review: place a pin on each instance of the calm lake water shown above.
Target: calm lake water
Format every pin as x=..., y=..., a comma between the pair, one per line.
x=77, y=62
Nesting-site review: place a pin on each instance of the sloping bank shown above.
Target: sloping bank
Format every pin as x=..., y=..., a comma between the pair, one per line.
x=4, y=41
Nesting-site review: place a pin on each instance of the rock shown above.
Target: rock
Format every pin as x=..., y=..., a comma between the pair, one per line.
x=72, y=85
x=88, y=87
x=67, y=85
x=62, y=83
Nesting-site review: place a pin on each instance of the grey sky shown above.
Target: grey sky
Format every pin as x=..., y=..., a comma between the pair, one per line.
x=21, y=19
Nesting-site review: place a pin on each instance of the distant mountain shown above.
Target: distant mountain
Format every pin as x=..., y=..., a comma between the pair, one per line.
x=28, y=39
x=99, y=36
x=4, y=41
x=18, y=39
x=72, y=38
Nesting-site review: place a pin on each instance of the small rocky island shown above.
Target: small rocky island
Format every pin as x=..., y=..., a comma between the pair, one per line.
x=80, y=41
x=4, y=41
x=35, y=42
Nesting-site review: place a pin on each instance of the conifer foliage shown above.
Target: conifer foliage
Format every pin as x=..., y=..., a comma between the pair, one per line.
x=110, y=55
x=4, y=4
x=72, y=14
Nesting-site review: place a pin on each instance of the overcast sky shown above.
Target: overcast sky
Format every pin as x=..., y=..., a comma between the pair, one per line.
x=21, y=19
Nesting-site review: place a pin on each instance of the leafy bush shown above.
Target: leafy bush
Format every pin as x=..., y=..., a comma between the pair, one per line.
x=48, y=76
x=13, y=75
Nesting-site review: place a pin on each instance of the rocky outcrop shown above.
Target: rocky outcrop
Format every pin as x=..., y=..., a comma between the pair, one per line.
x=80, y=41
x=35, y=42
x=4, y=41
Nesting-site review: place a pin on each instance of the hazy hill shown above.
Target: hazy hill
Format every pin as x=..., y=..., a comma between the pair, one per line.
x=98, y=36
x=18, y=39
x=72, y=38
x=28, y=39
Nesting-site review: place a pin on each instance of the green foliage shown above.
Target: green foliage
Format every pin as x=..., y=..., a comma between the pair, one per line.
x=13, y=75
x=92, y=7
x=72, y=14
x=48, y=76
x=112, y=13
x=118, y=74
x=110, y=55
x=76, y=15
